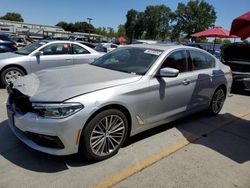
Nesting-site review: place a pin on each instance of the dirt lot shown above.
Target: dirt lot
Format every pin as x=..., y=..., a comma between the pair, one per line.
x=197, y=151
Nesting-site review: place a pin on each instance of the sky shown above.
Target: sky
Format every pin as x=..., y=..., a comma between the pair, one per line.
x=108, y=13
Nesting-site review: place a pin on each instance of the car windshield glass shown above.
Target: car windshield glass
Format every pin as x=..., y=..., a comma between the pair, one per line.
x=30, y=48
x=130, y=60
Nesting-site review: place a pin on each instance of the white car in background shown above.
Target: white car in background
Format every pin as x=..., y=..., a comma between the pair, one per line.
x=110, y=46
x=43, y=54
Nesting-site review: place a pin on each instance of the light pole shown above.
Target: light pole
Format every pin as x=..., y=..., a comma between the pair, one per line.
x=89, y=19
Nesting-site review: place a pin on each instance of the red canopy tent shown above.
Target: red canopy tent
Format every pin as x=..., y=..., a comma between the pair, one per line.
x=214, y=32
x=121, y=39
x=241, y=26
x=217, y=32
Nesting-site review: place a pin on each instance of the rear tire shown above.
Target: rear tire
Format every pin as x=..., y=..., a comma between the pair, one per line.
x=217, y=101
x=10, y=74
x=104, y=135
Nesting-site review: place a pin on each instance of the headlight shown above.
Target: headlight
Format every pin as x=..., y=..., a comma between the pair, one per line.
x=56, y=111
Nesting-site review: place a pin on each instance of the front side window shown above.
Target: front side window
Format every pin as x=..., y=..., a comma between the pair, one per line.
x=131, y=60
x=176, y=60
x=79, y=50
x=201, y=60
x=57, y=49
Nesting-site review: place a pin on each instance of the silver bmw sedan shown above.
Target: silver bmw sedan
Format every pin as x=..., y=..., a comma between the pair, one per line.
x=93, y=108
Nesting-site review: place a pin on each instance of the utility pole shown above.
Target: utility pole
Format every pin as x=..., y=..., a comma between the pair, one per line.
x=89, y=19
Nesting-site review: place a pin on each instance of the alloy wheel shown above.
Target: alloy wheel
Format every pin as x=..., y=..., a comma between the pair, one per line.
x=218, y=100
x=107, y=135
x=12, y=75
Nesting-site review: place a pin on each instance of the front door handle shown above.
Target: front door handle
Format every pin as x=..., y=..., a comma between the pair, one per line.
x=186, y=82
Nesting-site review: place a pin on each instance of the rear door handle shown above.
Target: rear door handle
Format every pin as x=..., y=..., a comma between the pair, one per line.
x=186, y=82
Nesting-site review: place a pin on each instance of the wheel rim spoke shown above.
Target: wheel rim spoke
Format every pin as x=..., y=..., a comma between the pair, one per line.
x=116, y=130
x=97, y=142
x=115, y=126
x=111, y=142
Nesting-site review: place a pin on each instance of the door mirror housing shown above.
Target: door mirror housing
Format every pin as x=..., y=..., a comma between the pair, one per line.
x=168, y=72
x=38, y=53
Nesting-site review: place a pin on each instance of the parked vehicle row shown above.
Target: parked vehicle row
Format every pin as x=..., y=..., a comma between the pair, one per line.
x=6, y=44
x=92, y=108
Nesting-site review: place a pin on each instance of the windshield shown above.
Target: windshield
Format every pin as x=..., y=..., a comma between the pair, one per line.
x=30, y=48
x=130, y=60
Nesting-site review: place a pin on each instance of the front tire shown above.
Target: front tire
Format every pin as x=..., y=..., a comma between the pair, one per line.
x=10, y=74
x=217, y=101
x=104, y=135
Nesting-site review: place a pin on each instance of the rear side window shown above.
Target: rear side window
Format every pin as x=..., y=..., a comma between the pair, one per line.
x=200, y=60
x=176, y=60
x=79, y=50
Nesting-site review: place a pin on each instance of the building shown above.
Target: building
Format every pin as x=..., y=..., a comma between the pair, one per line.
x=41, y=31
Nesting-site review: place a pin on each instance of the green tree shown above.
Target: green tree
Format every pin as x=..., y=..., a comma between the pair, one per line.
x=62, y=24
x=193, y=17
x=121, y=30
x=156, y=21
x=76, y=27
x=110, y=32
x=226, y=41
x=134, y=24
x=83, y=27
x=101, y=31
x=12, y=16
x=218, y=41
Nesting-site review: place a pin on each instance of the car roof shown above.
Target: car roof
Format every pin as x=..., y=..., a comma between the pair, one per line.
x=60, y=41
x=165, y=47
x=157, y=46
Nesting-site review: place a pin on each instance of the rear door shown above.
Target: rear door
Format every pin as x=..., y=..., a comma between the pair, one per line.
x=82, y=55
x=205, y=74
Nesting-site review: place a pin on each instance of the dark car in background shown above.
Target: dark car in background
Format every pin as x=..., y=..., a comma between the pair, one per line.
x=6, y=44
x=237, y=56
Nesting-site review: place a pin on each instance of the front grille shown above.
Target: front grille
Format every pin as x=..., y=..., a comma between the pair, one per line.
x=19, y=102
x=45, y=140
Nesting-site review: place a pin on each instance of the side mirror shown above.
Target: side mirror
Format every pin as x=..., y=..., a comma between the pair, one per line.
x=38, y=53
x=168, y=72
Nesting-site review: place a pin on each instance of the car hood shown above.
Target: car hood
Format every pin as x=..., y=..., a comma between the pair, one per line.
x=9, y=55
x=60, y=84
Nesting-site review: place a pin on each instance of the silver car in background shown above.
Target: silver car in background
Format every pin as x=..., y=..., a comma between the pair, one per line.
x=93, y=108
x=42, y=55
